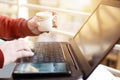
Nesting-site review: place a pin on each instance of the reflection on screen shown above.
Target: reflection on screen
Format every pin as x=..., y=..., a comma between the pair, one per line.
x=99, y=33
x=40, y=68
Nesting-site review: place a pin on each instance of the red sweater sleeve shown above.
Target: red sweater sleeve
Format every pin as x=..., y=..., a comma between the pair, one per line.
x=13, y=28
x=1, y=59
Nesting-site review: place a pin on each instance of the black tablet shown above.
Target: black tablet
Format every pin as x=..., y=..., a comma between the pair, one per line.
x=39, y=70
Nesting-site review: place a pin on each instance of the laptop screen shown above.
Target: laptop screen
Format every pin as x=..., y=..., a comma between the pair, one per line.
x=98, y=35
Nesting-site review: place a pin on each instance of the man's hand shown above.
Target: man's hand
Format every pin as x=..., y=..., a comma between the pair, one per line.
x=12, y=50
x=34, y=26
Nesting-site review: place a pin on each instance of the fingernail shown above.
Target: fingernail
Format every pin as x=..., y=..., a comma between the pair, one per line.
x=31, y=54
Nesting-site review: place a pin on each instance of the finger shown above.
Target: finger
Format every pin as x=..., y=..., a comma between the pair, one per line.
x=54, y=23
x=24, y=53
x=35, y=19
x=53, y=13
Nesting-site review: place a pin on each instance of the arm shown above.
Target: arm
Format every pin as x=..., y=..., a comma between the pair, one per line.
x=14, y=28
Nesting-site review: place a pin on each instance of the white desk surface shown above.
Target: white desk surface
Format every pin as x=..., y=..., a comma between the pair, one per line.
x=102, y=73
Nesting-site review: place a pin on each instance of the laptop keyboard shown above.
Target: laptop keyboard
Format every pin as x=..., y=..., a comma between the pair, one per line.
x=46, y=52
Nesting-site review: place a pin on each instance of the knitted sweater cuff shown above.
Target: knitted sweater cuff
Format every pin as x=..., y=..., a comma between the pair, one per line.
x=1, y=59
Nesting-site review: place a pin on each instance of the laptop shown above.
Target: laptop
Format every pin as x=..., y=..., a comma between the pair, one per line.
x=82, y=54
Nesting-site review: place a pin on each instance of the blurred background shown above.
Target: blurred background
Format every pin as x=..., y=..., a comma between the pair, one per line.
x=71, y=15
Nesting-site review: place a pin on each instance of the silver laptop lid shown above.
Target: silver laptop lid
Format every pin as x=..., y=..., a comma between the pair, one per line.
x=99, y=34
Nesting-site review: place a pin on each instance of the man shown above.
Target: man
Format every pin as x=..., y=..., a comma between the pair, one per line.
x=11, y=29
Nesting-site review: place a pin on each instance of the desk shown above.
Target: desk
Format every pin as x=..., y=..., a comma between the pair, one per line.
x=101, y=70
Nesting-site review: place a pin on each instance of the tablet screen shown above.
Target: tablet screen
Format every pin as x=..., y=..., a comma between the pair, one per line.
x=41, y=68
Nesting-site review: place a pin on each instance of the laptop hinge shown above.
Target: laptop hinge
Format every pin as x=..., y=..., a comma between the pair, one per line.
x=72, y=56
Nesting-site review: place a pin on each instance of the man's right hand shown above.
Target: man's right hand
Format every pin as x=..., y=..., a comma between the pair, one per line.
x=12, y=50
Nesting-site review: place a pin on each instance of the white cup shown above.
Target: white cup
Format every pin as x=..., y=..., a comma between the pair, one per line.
x=45, y=21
